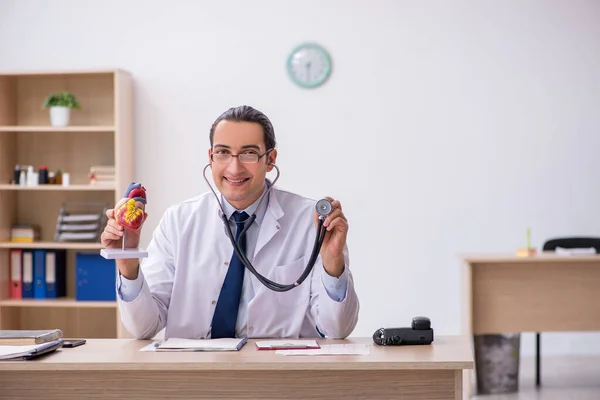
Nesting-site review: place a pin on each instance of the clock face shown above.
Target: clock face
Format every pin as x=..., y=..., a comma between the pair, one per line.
x=309, y=65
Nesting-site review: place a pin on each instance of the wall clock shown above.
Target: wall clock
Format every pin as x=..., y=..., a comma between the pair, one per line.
x=309, y=65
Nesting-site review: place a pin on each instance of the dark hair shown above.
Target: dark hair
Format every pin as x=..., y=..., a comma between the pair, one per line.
x=247, y=114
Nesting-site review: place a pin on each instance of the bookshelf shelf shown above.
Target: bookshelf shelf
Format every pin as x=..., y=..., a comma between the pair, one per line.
x=76, y=188
x=51, y=245
x=42, y=129
x=99, y=134
x=57, y=303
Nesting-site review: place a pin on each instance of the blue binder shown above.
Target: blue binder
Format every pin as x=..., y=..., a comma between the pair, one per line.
x=39, y=274
x=96, y=278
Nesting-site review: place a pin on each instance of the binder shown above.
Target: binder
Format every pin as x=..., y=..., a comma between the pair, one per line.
x=27, y=283
x=56, y=273
x=39, y=274
x=23, y=337
x=16, y=272
x=22, y=353
x=96, y=277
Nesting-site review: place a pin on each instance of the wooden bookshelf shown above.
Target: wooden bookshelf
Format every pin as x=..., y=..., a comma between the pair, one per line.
x=64, y=302
x=40, y=129
x=51, y=245
x=100, y=133
x=95, y=187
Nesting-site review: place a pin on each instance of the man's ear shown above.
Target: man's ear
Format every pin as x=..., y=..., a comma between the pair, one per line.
x=272, y=160
x=209, y=160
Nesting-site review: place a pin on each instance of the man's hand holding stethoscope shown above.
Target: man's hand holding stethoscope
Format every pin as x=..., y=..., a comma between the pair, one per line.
x=332, y=250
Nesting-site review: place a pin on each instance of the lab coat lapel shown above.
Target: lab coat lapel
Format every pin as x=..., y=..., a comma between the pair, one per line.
x=270, y=224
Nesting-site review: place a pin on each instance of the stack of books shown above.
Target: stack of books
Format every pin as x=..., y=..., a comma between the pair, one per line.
x=24, y=233
x=102, y=175
x=28, y=337
x=27, y=345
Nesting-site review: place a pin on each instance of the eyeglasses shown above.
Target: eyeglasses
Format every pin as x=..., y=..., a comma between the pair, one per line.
x=249, y=157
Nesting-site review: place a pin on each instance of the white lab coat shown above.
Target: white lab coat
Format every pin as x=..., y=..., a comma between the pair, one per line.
x=187, y=263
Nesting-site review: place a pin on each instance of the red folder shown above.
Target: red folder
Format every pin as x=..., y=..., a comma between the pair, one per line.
x=16, y=271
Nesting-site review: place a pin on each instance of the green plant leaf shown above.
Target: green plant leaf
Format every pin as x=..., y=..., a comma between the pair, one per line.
x=61, y=99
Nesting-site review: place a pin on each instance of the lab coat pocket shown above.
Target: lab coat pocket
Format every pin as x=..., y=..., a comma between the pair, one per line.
x=288, y=274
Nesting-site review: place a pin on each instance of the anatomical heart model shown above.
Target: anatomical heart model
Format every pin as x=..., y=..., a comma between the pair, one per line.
x=130, y=210
x=130, y=213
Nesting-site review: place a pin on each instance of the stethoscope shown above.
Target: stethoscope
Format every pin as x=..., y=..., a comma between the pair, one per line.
x=323, y=208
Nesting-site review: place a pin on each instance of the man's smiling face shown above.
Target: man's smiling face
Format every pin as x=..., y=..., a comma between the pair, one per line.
x=240, y=183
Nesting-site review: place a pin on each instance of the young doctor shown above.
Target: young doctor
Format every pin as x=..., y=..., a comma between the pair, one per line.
x=194, y=284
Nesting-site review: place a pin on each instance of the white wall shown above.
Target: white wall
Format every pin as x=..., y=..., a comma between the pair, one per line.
x=445, y=128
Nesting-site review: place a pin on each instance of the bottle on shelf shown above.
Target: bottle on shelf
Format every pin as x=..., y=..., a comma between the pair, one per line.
x=66, y=179
x=17, y=174
x=32, y=176
x=58, y=177
x=43, y=175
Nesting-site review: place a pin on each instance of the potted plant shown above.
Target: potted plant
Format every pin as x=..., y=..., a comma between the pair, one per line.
x=60, y=105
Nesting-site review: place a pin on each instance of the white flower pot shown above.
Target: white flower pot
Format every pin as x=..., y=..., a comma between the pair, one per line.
x=59, y=116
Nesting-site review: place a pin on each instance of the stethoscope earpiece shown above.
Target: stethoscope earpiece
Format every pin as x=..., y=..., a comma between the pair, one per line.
x=323, y=208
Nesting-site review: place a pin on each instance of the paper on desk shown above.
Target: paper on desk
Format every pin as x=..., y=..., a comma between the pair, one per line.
x=30, y=351
x=177, y=344
x=286, y=344
x=151, y=347
x=575, y=251
x=221, y=344
x=9, y=351
x=329, y=350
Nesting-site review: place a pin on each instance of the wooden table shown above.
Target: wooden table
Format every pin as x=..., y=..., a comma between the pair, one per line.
x=543, y=293
x=116, y=369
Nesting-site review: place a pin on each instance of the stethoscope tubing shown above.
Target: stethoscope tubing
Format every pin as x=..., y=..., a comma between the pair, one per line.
x=275, y=286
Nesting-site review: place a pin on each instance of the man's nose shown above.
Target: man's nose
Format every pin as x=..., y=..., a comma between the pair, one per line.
x=235, y=165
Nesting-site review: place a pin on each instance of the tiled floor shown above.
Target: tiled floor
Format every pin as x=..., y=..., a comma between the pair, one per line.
x=563, y=378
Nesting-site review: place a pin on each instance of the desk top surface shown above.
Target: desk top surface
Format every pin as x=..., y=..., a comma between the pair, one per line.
x=446, y=352
x=546, y=257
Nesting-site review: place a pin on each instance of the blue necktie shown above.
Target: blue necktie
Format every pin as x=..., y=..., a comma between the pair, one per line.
x=226, y=310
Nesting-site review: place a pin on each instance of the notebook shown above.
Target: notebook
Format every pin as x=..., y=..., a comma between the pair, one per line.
x=286, y=344
x=31, y=337
x=223, y=344
x=20, y=353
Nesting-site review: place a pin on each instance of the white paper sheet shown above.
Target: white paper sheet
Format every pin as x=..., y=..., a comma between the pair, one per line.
x=223, y=344
x=286, y=344
x=151, y=347
x=15, y=350
x=330, y=349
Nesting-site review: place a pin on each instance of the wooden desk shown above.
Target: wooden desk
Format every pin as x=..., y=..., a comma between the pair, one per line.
x=543, y=293
x=116, y=369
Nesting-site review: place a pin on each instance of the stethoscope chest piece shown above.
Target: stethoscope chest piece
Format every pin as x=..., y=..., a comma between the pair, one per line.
x=323, y=207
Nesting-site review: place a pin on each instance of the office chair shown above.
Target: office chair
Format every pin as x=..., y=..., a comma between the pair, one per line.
x=573, y=243
x=551, y=245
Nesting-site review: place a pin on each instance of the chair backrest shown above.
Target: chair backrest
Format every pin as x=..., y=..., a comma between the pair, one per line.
x=573, y=243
